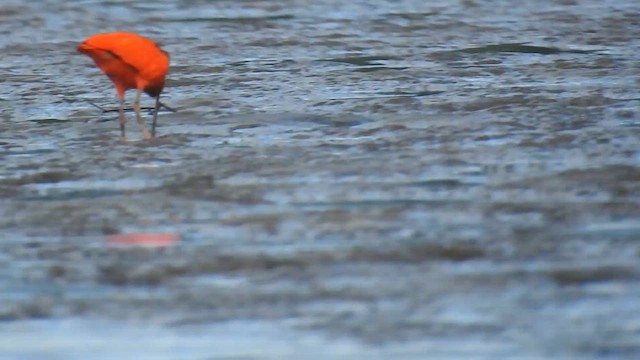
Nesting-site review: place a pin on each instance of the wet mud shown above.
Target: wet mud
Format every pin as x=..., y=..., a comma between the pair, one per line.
x=380, y=180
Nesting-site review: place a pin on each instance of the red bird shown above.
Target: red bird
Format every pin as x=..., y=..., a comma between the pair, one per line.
x=131, y=61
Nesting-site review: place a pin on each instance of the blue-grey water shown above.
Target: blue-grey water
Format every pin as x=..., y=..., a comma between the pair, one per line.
x=349, y=180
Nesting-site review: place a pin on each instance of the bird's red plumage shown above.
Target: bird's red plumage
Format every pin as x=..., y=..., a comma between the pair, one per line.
x=131, y=61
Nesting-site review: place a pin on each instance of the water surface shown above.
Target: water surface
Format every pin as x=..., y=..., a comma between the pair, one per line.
x=383, y=179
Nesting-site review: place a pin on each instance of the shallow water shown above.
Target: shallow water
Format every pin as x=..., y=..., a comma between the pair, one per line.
x=382, y=179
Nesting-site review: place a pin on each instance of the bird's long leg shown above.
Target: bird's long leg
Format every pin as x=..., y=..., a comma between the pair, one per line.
x=136, y=108
x=121, y=118
x=155, y=116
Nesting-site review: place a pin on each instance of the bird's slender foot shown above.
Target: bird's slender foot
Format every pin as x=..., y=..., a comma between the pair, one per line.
x=136, y=108
x=121, y=118
x=155, y=116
